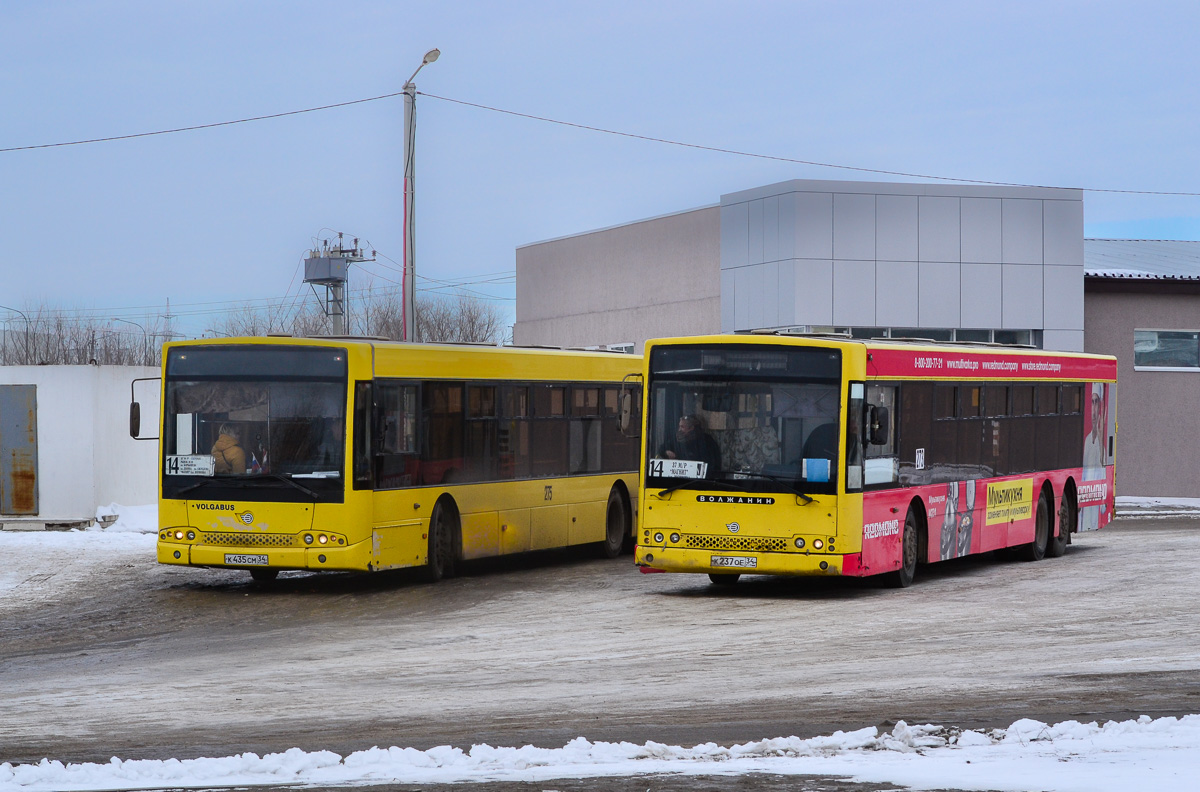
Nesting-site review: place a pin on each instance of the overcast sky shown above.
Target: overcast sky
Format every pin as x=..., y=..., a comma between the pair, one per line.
x=1093, y=95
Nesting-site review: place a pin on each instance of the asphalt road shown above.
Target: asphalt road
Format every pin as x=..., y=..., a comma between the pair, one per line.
x=141, y=661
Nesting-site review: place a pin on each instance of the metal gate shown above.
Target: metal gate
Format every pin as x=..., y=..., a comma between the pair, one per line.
x=18, y=449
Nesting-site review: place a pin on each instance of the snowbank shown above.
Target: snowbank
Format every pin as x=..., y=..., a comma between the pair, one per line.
x=1028, y=755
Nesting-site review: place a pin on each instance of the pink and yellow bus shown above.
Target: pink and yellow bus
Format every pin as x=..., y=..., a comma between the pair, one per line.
x=808, y=455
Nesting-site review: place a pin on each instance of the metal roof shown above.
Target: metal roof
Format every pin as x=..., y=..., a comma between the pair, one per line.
x=1141, y=259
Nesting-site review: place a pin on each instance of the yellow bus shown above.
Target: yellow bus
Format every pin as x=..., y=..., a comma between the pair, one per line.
x=774, y=454
x=358, y=454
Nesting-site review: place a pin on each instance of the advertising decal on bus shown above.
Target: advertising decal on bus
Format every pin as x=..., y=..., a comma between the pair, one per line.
x=959, y=364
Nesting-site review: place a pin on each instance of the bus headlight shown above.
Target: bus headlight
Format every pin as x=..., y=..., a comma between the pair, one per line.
x=800, y=542
x=308, y=539
x=322, y=538
x=674, y=538
x=658, y=538
x=179, y=534
x=818, y=544
x=191, y=535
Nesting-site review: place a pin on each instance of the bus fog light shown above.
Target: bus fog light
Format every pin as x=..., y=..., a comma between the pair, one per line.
x=321, y=558
x=307, y=538
x=178, y=554
x=800, y=541
x=649, y=558
x=658, y=538
x=674, y=538
x=824, y=565
x=818, y=544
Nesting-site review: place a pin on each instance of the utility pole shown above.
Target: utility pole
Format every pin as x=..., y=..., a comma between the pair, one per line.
x=410, y=237
x=329, y=266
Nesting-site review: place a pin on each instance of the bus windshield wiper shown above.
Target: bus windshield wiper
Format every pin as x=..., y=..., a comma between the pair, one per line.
x=225, y=482
x=711, y=483
x=790, y=483
x=288, y=480
x=244, y=482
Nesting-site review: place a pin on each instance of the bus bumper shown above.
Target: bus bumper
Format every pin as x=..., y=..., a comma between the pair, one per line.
x=675, y=559
x=352, y=557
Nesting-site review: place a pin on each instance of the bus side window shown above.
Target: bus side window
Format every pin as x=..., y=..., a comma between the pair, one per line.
x=364, y=403
x=882, y=463
x=394, y=435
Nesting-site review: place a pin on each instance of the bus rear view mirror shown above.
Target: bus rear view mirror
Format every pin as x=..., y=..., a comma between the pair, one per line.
x=135, y=419
x=625, y=411
x=877, y=425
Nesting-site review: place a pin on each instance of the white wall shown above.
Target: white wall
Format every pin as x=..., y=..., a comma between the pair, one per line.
x=86, y=457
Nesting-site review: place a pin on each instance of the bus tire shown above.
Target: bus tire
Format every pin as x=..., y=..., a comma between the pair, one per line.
x=443, y=525
x=616, y=525
x=910, y=544
x=721, y=579
x=263, y=575
x=1068, y=516
x=1043, y=525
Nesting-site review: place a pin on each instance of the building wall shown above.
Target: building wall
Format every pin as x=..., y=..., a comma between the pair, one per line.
x=86, y=457
x=657, y=277
x=1156, y=410
x=871, y=254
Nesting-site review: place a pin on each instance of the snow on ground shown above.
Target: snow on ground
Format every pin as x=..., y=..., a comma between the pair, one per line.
x=1029, y=755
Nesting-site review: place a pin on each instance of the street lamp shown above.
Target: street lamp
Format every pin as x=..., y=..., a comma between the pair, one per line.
x=410, y=265
x=26, y=318
x=145, y=338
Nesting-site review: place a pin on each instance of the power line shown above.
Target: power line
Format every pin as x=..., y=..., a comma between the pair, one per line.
x=736, y=152
x=574, y=125
x=200, y=126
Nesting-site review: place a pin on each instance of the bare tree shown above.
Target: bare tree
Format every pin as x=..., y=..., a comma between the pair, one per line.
x=41, y=335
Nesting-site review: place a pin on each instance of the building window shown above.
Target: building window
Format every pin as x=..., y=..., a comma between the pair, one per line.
x=1172, y=350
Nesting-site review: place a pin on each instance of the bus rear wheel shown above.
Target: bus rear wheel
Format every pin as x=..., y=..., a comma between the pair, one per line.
x=721, y=579
x=616, y=525
x=1067, y=516
x=442, y=527
x=1042, y=526
x=910, y=544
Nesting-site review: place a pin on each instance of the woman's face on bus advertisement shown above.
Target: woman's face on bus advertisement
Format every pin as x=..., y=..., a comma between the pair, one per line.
x=1097, y=415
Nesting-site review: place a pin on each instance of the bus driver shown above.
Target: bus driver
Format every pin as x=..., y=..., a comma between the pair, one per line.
x=693, y=443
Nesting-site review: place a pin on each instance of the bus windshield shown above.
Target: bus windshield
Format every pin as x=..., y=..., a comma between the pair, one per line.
x=240, y=416
x=752, y=418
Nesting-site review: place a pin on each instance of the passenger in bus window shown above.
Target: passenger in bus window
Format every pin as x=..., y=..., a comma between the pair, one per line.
x=693, y=443
x=227, y=451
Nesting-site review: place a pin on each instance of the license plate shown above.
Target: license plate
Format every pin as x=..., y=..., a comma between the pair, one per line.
x=245, y=560
x=744, y=562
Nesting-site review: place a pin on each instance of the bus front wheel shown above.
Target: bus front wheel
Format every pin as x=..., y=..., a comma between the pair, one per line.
x=1042, y=526
x=442, y=526
x=616, y=525
x=910, y=543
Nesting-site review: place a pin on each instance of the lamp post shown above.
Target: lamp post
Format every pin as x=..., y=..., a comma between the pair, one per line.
x=145, y=338
x=410, y=265
x=26, y=318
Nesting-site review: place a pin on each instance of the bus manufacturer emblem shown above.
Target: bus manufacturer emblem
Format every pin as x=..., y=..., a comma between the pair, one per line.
x=733, y=527
x=246, y=517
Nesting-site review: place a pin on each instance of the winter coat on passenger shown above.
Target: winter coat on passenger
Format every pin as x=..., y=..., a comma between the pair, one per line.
x=230, y=458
